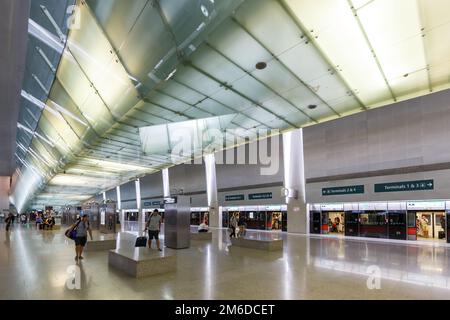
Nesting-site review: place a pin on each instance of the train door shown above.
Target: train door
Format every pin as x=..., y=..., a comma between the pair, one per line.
x=412, y=226
x=324, y=223
x=430, y=225
x=336, y=223
x=284, y=221
x=352, y=223
x=448, y=226
x=397, y=225
x=314, y=222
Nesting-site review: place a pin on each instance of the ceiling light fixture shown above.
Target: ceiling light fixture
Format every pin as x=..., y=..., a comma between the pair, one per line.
x=312, y=106
x=204, y=11
x=261, y=65
x=170, y=74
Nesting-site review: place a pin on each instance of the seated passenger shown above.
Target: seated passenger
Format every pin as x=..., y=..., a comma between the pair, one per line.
x=203, y=227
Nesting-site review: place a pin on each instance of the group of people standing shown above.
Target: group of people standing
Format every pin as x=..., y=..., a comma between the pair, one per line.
x=237, y=225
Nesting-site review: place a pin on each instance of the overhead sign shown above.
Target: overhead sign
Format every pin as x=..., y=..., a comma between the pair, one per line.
x=258, y=196
x=234, y=197
x=342, y=190
x=170, y=200
x=404, y=186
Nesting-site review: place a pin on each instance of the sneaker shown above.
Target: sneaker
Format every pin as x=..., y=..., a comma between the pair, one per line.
x=159, y=249
x=81, y=258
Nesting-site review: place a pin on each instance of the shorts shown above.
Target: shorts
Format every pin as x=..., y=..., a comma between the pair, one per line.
x=153, y=234
x=80, y=241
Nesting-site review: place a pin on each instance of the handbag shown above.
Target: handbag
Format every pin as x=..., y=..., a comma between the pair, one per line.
x=71, y=233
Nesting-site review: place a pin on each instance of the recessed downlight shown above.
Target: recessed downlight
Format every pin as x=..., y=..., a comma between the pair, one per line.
x=261, y=65
x=312, y=106
x=204, y=11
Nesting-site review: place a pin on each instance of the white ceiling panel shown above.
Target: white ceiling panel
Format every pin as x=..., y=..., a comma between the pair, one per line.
x=238, y=46
x=277, y=77
x=214, y=107
x=305, y=61
x=270, y=24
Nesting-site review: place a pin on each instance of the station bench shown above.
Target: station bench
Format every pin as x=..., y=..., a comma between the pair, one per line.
x=142, y=262
x=268, y=245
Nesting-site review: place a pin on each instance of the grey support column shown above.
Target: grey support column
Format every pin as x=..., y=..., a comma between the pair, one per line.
x=294, y=181
x=141, y=217
x=211, y=191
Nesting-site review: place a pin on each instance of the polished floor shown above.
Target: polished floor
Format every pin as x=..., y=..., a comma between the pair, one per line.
x=33, y=265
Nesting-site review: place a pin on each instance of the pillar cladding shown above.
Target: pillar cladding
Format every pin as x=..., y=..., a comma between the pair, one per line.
x=211, y=190
x=294, y=181
x=166, y=184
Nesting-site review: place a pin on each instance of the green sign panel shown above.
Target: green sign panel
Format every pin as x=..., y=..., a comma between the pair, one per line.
x=156, y=203
x=405, y=186
x=342, y=190
x=234, y=197
x=258, y=196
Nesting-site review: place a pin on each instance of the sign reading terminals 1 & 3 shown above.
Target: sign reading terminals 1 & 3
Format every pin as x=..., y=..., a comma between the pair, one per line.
x=404, y=186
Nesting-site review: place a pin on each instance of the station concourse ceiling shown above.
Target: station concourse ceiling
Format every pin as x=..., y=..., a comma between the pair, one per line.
x=89, y=90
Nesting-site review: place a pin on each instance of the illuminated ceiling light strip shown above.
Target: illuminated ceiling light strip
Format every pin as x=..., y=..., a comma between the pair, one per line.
x=29, y=166
x=42, y=105
x=170, y=75
x=45, y=36
x=68, y=113
x=371, y=48
x=34, y=133
x=61, y=35
x=40, y=83
x=47, y=61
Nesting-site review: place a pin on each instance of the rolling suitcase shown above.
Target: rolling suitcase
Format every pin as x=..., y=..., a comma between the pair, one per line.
x=141, y=241
x=441, y=235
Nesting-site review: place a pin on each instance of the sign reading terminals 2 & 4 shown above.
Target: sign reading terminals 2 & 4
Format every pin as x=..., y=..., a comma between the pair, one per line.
x=342, y=190
x=405, y=186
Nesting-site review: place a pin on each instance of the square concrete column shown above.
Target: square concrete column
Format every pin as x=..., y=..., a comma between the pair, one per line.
x=215, y=219
x=294, y=181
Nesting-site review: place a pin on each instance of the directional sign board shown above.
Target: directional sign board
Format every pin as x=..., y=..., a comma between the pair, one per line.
x=342, y=190
x=404, y=186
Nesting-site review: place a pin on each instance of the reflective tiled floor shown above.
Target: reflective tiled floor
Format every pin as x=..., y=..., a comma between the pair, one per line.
x=33, y=265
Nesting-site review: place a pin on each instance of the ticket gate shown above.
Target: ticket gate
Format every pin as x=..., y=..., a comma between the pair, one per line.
x=108, y=217
x=92, y=210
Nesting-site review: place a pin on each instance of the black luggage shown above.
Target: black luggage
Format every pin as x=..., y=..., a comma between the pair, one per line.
x=441, y=234
x=141, y=241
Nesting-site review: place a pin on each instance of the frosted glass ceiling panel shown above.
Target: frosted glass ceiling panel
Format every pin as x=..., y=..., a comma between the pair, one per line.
x=234, y=100
x=413, y=83
x=197, y=81
x=394, y=31
x=265, y=19
x=245, y=122
x=60, y=96
x=338, y=35
x=216, y=65
x=197, y=113
x=147, y=40
x=330, y=87
x=214, y=107
x=95, y=55
x=259, y=114
x=238, y=46
x=117, y=17
x=276, y=77
x=305, y=61
x=280, y=106
x=147, y=117
x=178, y=90
x=253, y=89
x=168, y=102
